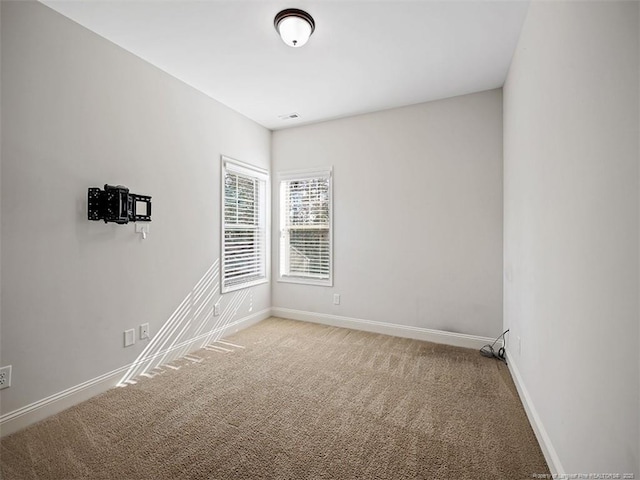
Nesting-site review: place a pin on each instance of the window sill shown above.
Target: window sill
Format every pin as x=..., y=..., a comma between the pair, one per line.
x=240, y=286
x=324, y=282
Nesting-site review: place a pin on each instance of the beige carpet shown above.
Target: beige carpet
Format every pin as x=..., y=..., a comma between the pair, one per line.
x=299, y=401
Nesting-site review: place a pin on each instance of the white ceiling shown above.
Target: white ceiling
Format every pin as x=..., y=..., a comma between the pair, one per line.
x=364, y=55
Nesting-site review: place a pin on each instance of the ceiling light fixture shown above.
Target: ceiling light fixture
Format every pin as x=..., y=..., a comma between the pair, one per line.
x=294, y=26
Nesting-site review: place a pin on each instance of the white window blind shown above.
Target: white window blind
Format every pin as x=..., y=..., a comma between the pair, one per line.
x=244, y=239
x=306, y=247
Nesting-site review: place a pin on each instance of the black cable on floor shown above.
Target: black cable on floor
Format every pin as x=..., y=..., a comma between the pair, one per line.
x=489, y=351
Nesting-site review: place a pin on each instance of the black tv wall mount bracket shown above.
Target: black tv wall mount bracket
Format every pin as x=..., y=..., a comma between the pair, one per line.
x=115, y=204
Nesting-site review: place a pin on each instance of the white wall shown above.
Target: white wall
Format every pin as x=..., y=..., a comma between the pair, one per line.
x=571, y=229
x=78, y=112
x=417, y=214
x=0, y=180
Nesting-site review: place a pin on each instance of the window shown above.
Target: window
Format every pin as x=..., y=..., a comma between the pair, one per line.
x=306, y=243
x=244, y=230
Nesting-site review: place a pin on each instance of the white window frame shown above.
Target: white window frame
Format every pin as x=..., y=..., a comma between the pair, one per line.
x=283, y=245
x=264, y=224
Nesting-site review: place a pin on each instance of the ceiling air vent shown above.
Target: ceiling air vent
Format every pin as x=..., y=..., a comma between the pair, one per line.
x=288, y=116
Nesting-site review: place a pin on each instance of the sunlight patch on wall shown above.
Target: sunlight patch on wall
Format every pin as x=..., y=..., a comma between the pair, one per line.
x=192, y=325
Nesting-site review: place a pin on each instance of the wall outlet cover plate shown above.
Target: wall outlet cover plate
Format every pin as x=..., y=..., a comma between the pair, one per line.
x=5, y=377
x=129, y=337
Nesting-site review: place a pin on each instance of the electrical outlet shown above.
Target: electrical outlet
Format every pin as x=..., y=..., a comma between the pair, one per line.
x=5, y=377
x=216, y=309
x=129, y=337
x=336, y=299
x=144, y=331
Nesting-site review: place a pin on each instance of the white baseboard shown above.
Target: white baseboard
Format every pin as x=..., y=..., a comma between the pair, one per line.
x=416, y=333
x=23, y=417
x=549, y=452
x=16, y=420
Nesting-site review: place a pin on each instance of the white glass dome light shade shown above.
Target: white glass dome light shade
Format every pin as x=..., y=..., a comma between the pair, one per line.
x=294, y=26
x=294, y=31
